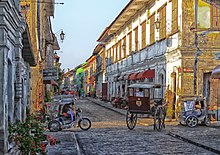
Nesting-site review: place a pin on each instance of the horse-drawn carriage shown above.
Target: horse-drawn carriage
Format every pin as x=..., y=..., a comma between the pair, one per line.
x=141, y=100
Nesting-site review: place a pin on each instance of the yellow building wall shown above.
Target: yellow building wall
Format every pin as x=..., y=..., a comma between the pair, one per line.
x=36, y=75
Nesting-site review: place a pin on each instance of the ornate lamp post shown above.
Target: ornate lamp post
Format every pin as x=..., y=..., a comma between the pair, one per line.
x=157, y=24
x=62, y=35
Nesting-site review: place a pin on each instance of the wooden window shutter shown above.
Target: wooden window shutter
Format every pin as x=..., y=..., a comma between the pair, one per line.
x=124, y=46
x=119, y=50
x=130, y=42
x=136, y=38
x=162, y=15
x=143, y=37
x=215, y=16
x=152, y=29
x=174, y=15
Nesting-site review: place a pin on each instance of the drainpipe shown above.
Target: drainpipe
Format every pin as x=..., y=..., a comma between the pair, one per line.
x=197, y=49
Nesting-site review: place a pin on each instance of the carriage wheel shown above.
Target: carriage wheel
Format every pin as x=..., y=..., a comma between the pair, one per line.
x=159, y=117
x=131, y=120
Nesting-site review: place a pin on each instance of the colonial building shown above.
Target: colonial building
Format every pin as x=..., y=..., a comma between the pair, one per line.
x=90, y=75
x=43, y=51
x=154, y=40
x=99, y=52
x=215, y=77
x=17, y=55
x=101, y=65
x=23, y=46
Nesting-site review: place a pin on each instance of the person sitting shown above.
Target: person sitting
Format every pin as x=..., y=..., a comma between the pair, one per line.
x=68, y=114
x=139, y=92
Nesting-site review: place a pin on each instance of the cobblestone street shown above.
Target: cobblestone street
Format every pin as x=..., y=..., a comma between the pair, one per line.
x=110, y=135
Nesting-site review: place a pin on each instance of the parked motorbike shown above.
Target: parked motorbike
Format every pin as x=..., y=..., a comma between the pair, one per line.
x=74, y=120
x=119, y=102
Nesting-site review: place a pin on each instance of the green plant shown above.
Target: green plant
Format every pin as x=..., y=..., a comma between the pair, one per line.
x=47, y=97
x=29, y=135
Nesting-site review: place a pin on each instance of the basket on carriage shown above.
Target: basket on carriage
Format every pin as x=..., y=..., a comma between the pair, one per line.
x=141, y=100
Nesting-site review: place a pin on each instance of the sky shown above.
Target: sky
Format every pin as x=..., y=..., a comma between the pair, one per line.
x=82, y=21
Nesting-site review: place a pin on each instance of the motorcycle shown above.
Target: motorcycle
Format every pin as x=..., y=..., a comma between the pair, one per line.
x=74, y=120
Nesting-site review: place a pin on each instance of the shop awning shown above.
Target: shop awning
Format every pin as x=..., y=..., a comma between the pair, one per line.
x=146, y=74
x=216, y=72
x=132, y=76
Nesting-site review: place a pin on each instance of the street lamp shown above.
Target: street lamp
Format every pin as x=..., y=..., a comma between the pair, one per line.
x=54, y=40
x=62, y=35
x=157, y=24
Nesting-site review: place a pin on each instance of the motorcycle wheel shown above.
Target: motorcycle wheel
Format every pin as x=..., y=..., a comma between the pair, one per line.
x=54, y=126
x=191, y=121
x=85, y=124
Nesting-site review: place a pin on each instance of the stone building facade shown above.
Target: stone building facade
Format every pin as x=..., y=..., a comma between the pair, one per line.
x=16, y=56
x=90, y=75
x=99, y=52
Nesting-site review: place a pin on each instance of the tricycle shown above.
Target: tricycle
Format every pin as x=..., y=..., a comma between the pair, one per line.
x=194, y=111
x=141, y=100
x=68, y=117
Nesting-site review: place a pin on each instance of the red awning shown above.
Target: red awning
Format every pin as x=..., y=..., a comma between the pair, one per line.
x=132, y=76
x=216, y=72
x=146, y=74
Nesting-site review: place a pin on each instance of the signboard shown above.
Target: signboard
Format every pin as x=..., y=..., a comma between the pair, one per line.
x=50, y=74
x=188, y=70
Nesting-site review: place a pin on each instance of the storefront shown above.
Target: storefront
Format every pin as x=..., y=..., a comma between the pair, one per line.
x=215, y=93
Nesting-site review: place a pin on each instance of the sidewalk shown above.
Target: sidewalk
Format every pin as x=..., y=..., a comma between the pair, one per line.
x=206, y=137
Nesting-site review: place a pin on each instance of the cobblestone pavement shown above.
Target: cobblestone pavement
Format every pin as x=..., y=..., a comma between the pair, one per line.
x=109, y=135
x=67, y=145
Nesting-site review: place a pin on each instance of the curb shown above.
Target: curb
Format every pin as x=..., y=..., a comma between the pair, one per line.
x=124, y=114
x=194, y=143
x=77, y=144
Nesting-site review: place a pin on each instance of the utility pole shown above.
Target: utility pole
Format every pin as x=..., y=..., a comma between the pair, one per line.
x=197, y=49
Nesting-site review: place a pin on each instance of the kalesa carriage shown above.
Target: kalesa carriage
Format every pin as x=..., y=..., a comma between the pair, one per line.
x=141, y=100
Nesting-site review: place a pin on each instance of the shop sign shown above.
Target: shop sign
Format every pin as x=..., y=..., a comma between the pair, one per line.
x=50, y=74
x=188, y=70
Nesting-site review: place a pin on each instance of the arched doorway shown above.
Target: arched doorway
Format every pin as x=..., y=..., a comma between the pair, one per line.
x=162, y=80
x=173, y=90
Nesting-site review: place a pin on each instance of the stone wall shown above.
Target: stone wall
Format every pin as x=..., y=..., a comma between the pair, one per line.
x=14, y=71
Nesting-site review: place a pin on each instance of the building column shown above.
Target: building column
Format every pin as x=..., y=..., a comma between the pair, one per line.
x=3, y=106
